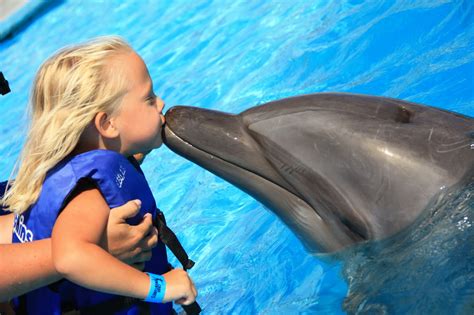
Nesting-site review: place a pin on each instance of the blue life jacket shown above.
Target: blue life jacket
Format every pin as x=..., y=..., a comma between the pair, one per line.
x=119, y=181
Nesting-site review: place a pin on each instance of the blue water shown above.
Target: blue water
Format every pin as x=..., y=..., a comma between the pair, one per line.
x=231, y=55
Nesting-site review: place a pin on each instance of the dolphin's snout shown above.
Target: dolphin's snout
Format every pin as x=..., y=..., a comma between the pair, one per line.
x=203, y=128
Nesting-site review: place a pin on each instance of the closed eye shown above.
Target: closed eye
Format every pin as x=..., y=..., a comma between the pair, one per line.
x=151, y=99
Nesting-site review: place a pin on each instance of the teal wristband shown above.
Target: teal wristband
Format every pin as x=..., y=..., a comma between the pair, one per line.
x=157, y=288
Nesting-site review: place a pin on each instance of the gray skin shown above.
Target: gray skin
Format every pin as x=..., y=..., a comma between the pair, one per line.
x=338, y=169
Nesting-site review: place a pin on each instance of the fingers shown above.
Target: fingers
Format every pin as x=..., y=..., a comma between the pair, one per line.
x=179, y=287
x=129, y=243
x=151, y=240
x=190, y=299
x=143, y=250
x=195, y=292
x=146, y=226
x=128, y=210
x=187, y=300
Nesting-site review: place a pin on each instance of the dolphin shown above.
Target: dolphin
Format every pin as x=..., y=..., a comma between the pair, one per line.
x=338, y=169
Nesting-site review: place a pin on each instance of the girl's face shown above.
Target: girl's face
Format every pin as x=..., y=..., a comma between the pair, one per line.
x=140, y=118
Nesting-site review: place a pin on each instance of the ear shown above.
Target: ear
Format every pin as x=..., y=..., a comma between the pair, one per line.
x=105, y=125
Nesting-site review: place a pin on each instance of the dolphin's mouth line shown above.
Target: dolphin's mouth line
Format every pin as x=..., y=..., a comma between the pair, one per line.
x=237, y=166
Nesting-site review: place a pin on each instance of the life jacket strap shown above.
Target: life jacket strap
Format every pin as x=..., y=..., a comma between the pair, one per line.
x=171, y=241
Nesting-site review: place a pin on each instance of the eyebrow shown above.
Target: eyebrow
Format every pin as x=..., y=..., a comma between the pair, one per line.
x=149, y=95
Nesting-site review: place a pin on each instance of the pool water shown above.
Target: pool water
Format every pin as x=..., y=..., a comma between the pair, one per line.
x=231, y=55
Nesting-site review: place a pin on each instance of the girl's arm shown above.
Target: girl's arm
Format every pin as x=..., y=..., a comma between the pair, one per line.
x=28, y=266
x=77, y=246
x=77, y=237
x=6, y=226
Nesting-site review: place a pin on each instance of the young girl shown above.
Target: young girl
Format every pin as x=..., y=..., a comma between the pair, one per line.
x=93, y=107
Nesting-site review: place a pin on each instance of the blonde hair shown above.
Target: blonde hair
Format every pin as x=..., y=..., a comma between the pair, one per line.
x=70, y=88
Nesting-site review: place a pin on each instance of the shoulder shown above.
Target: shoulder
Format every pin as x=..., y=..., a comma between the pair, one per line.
x=88, y=195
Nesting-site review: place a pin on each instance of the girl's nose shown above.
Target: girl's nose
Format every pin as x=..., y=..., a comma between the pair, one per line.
x=160, y=103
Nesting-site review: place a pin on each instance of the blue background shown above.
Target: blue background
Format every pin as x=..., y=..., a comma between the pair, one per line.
x=231, y=55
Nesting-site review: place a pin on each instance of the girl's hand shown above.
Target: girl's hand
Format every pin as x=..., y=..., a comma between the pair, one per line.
x=179, y=287
x=131, y=244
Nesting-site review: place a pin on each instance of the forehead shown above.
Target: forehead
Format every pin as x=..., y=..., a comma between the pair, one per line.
x=133, y=69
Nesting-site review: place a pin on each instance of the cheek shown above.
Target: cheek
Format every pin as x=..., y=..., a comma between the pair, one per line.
x=162, y=121
x=158, y=126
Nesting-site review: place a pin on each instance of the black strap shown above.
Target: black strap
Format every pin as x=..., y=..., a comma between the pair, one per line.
x=192, y=309
x=168, y=237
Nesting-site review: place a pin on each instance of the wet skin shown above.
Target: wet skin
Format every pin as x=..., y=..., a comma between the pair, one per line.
x=338, y=169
